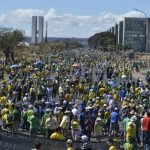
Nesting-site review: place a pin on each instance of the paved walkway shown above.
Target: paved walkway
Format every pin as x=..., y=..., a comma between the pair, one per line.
x=140, y=75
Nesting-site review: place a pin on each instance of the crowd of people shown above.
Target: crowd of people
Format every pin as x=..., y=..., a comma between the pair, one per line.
x=77, y=95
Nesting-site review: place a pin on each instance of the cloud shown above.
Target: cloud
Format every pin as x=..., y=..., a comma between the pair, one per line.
x=64, y=25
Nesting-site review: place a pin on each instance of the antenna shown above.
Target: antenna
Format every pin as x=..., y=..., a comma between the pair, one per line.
x=46, y=32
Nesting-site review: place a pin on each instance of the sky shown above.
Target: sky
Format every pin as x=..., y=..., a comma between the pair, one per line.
x=70, y=18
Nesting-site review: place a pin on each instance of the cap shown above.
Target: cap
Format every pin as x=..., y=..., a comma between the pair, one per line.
x=98, y=119
x=30, y=107
x=130, y=124
x=132, y=112
x=133, y=119
x=105, y=105
x=116, y=108
x=75, y=106
x=69, y=141
x=84, y=138
x=70, y=103
x=48, y=110
x=67, y=111
x=60, y=108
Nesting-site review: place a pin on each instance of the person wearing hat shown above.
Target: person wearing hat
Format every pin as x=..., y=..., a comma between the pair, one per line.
x=86, y=143
x=98, y=128
x=70, y=144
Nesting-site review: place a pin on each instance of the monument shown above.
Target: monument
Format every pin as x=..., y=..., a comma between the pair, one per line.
x=37, y=29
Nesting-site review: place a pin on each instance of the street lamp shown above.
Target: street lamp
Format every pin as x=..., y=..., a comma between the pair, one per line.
x=146, y=35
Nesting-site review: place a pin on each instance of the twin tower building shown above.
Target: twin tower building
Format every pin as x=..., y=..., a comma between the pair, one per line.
x=37, y=29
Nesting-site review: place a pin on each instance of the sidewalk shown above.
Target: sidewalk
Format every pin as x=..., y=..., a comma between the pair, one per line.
x=141, y=75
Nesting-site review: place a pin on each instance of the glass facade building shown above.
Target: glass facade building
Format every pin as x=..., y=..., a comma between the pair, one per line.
x=134, y=33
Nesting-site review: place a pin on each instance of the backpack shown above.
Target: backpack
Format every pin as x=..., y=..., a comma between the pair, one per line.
x=9, y=118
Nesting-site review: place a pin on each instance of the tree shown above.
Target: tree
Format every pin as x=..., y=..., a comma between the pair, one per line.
x=9, y=39
x=102, y=40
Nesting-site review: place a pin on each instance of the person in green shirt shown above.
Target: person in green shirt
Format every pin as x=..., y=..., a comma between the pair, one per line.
x=30, y=112
x=16, y=118
x=125, y=122
x=44, y=118
x=128, y=145
x=34, y=124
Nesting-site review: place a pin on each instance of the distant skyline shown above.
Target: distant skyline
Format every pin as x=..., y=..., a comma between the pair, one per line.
x=70, y=18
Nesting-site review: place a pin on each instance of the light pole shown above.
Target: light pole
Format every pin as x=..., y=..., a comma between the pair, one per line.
x=146, y=35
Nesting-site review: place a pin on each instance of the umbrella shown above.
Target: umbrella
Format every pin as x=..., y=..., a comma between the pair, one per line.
x=14, y=66
x=76, y=65
x=112, y=83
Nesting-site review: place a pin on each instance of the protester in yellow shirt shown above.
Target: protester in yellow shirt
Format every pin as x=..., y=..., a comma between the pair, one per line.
x=57, y=135
x=130, y=131
x=116, y=97
x=84, y=96
x=101, y=91
x=81, y=86
x=4, y=110
x=3, y=100
x=10, y=88
x=92, y=94
x=68, y=97
x=8, y=120
x=111, y=144
x=70, y=145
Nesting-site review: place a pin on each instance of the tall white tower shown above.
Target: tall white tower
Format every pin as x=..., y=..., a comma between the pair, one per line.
x=34, y=30
x=40, y=29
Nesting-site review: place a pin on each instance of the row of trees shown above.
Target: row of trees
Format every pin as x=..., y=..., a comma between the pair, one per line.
x=105, y=40
x=58, y=45
x=102, y=40
x=10, y=40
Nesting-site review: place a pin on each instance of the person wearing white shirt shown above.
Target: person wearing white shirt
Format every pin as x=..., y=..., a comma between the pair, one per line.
x=75, y=110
